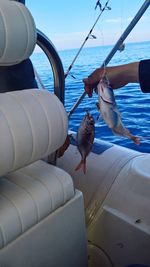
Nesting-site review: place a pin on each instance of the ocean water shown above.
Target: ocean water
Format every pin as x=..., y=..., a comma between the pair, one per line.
x=133, y=105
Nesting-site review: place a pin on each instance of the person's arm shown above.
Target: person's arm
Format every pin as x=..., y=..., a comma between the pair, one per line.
x=118, y=76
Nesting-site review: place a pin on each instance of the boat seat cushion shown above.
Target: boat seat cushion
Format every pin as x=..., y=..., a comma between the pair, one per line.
x=30, y=194
x=17, y=31
x=33, y=125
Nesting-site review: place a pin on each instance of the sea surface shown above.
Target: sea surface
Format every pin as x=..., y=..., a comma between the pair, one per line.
x=133, y=105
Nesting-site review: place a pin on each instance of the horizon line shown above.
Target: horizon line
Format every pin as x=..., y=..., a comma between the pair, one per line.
x=39, y=50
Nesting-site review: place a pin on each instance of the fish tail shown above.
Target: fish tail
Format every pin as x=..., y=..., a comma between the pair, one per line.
x=135, y=139
x=126, y=132
x=81, y=165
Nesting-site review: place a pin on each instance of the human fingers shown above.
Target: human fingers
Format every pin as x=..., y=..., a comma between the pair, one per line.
x=88, y=87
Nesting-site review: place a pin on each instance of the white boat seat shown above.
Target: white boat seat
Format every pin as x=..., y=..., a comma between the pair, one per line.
x=33, y=125
x=29, y=195
x=41, y=214
x=17, y=42
x=17, y=31
x=29, y=132
x=37, y=200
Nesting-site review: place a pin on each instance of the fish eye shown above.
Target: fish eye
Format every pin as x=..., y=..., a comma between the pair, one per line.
x=90, y=122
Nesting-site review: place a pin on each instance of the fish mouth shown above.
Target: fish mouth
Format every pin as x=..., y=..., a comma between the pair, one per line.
x=91, y=121
x=90, y=118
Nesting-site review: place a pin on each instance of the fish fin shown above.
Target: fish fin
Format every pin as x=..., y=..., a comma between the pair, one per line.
x=81, y=165
x=135, y=139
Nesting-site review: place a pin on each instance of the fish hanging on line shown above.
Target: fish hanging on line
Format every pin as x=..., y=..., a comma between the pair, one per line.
x=109, y=111
x=85, y=139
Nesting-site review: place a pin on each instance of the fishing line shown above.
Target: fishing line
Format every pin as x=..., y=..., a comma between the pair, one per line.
x=102, y=9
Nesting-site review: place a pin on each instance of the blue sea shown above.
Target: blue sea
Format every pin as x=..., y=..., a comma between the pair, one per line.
x=133, y=105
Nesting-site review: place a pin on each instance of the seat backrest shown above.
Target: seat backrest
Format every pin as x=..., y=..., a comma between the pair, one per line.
x=33, y=122
x=17, y=31
x=33, y=125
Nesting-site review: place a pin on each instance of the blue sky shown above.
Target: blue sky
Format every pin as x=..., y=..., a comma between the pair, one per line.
x=67, y=22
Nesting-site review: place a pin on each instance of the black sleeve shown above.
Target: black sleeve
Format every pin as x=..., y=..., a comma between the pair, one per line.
x=17, y=77
x=144, y=75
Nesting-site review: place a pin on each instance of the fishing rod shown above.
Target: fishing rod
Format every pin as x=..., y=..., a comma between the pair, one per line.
x=89, y=34
x=116, y=46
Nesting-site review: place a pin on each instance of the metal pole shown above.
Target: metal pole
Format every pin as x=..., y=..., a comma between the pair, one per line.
x=116, y=46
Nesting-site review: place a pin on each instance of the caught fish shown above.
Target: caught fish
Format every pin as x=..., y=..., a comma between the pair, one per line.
x=110, y=112
x=85, y=139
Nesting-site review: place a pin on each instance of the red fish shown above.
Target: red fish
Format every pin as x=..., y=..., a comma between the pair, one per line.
x=85, y=139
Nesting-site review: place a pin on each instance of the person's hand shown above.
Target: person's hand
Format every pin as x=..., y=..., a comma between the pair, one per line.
x=91, y=82
x=118, y=76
